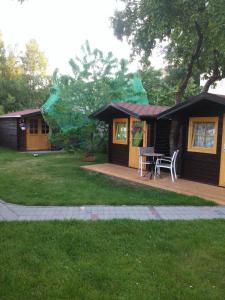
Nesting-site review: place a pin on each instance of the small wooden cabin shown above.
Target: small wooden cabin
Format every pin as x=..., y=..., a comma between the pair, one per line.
x=202, y=124
x=24, y=130
x=202, y=120
x=132, y=126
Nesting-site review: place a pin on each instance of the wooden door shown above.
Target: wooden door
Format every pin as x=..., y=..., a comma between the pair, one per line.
x=222, y=160
x=138, y=138
x=37, y=134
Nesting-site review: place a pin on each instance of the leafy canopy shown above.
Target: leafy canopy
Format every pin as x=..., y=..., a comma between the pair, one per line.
x=97, y=79
x=23, y=79
x=193, y=30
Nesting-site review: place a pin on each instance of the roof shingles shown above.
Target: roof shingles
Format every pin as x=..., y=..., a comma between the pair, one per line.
x=143, y=110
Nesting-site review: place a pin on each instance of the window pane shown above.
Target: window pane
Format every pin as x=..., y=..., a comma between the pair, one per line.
x=33, y=126
x=121, y=131
x=137, y=134
x=198, y=141
x=203, y=135
x=44, y=127
x=210, y=129
x=199, y=128
x=209, y=142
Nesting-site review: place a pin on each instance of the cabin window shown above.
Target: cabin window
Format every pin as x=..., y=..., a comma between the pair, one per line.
x=120, y=131
x=33, y=126
x=202, y=135
x=137, y=133
x=44, y=127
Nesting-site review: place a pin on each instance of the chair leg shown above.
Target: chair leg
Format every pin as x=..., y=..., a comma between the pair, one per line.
x=171, y=171
x=141, y=168
x=156, y=171
x=175, y=172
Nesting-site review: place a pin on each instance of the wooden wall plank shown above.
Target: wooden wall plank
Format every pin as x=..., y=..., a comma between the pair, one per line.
x=8, y=133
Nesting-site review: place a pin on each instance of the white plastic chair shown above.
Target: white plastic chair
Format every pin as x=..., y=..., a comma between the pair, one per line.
x=167, y=163
x=142, y=151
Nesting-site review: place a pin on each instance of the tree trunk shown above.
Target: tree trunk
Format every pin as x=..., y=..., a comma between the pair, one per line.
x=216, y=75
x=208, y=83
x=195, y=55
x=174, y=133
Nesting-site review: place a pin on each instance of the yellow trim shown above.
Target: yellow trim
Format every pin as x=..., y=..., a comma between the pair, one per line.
x=115, y=140
x=134, y=151
x=222, y=160
x=191, y=148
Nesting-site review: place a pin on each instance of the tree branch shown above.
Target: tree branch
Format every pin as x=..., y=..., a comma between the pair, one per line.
x=216, y=75
x=194, y=57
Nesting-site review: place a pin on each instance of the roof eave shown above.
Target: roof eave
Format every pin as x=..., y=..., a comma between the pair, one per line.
x=203, y=96
x=10, y=117
x=114, y=105
x=21, y=115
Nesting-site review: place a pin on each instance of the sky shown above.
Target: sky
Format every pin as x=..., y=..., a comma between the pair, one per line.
x=62, y=26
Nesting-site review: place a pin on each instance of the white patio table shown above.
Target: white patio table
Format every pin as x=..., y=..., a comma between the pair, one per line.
x=154, y=157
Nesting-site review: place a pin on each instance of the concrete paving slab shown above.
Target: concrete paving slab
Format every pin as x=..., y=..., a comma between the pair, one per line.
x=11, y=212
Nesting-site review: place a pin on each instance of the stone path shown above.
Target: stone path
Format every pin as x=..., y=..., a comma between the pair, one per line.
x=13, y=212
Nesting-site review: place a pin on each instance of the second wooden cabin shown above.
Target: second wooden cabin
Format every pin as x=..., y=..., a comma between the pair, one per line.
x=202, y=124
x=24, y=131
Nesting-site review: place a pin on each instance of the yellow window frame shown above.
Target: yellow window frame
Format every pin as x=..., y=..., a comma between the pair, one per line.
x=115, y=140
x=193, y=120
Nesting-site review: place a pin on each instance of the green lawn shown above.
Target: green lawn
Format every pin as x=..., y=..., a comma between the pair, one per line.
x=112, y=260
x=57, y=179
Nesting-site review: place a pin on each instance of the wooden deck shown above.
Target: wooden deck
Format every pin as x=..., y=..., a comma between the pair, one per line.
x=205, y=191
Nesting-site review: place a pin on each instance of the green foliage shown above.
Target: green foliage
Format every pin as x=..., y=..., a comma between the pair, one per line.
x=179, y=24
x=161, y=86
x=23, y=79
x=34, y=61
x=97, y=79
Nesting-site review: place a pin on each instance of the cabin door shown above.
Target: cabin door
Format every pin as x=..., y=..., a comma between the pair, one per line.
x=138, y=138
x=37, y=134
x=222, y=161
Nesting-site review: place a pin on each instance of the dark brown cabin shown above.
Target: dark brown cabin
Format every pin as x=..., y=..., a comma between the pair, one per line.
x=24, y=130
x=202, y=123
x=132, y=126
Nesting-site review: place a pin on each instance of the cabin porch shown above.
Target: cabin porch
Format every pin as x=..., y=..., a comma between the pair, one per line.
x=182, y=186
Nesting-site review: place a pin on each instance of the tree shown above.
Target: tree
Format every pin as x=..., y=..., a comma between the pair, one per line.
x=34, y=61
x=34, y=65
x=97, y=79
x=23, y=79
x=161, y=85
x=193, y=30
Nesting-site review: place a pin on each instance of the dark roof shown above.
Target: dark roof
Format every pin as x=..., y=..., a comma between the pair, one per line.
x=22, y=113
x=219, y=99
x=135, y=110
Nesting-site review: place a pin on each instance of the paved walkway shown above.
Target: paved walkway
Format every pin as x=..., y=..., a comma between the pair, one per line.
x=13, y=212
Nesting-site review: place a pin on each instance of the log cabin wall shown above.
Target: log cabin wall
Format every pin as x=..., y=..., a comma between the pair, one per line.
x=117, y=153
x=202, y=167
x=21, y=137
x=151, y=132
x=158, y=137
x=162, y=134
x=8, y=133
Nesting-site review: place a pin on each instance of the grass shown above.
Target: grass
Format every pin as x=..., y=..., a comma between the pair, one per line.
x=112, y=260
x=57, y=179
